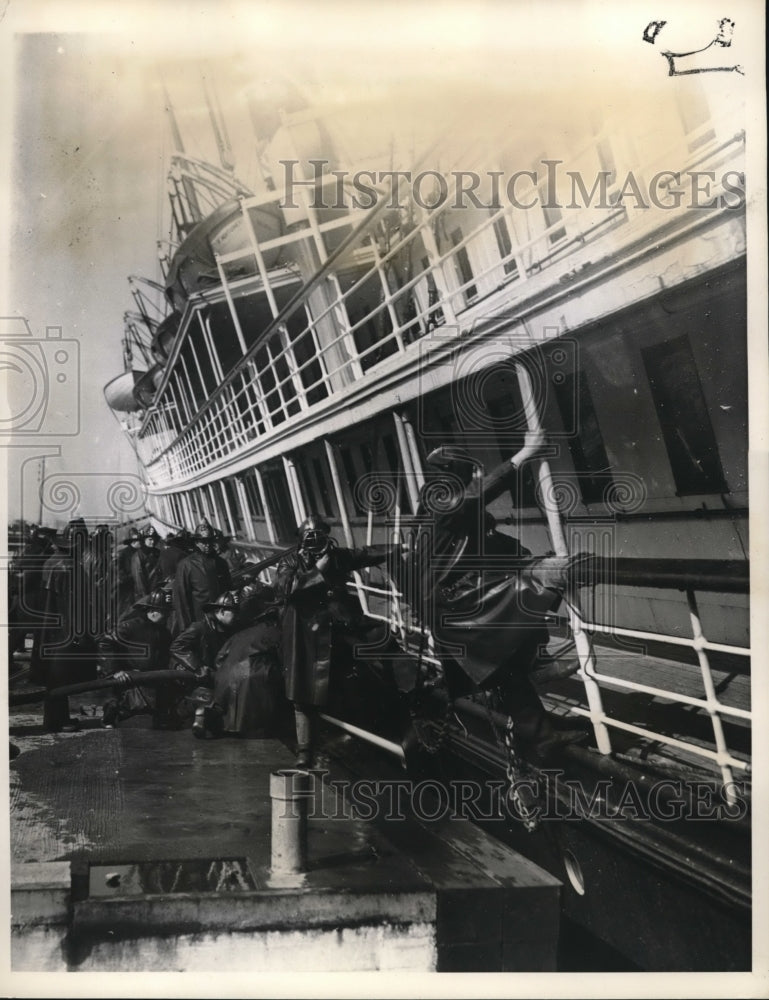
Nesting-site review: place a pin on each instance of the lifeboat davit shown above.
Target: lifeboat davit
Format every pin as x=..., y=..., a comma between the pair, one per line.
x=146, y=387
x=164, y=336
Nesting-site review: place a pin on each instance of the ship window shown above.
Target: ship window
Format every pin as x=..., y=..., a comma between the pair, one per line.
x=255, y=316
x=372, y=336
x=315, y=486
x=483, y=418
x=279, y=502
x=390, y=451
x=552, y=215
x=213, y=505
x=369, y=470
x=249, y=414
x=233, y=502
x=203, y=359
x=269, y=388
x=501, y=397
x=253, y=498
x=586, y=446
x=200, y=504
x=334, y=237
x=308, y=365
x=683, y=414
x=548, y=199
x=328, y=505
x=352, y=476
x=367, y=456
x=285, y=386
x=226, y=342
x=505, y=245
x=435, y=313
x=464, y=270
x=357, y=462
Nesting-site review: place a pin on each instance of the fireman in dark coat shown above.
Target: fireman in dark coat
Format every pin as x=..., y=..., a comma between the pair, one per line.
x=488, y=595
x=151, y=558
x=26, y=588
x=197, y=647
x=196, y=650
x=320, y=615
x=175, y=548
x=66, y=648
x=249, y=693
x=134, y=571
x=200, y=578
x=141, y=642
x=235, y=560
x=99, y=563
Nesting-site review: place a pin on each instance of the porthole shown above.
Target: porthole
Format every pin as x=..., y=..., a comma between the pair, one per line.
x=574, y=872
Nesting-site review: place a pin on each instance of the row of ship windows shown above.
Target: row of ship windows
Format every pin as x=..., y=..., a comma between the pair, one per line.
x=665, y=402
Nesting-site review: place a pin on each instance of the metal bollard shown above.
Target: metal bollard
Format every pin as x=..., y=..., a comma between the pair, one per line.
x=290, y=792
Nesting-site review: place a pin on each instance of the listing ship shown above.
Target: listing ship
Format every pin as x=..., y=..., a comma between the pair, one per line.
x=320, y=327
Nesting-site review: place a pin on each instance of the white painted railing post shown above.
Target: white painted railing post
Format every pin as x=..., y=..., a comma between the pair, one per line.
x=582, y=642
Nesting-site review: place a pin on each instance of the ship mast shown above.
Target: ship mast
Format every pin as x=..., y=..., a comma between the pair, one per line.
x=218, y=125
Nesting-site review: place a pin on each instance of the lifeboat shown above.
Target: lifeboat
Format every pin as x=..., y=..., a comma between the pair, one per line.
x=119, y=393
x=193, y=266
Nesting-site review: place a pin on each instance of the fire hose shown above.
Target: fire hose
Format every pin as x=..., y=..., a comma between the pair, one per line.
x=138, y=678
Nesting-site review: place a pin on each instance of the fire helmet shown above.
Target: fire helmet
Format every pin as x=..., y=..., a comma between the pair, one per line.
x=228, y=601
x=158, y=600
x=313, y=534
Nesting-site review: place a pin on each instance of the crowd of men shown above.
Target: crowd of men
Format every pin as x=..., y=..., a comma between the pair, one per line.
x=101, y=613
x=183, y=629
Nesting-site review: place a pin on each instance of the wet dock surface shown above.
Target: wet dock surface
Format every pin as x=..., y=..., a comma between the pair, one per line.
x=151, y=849
x=101, y=792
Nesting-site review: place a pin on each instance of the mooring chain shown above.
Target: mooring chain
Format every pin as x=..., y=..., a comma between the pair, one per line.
x=524, y=801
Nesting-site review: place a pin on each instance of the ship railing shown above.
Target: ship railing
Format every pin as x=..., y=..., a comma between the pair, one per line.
x=383, y=601
x=253, y=403
x=690, y=577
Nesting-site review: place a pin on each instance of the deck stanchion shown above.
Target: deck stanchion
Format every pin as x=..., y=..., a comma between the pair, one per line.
x=582, y=643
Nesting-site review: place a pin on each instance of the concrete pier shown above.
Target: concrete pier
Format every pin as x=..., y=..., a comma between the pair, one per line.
x=135, y=849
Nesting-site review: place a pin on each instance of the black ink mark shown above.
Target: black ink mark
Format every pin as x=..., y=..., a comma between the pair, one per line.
x=704, y=60
x=652, y=29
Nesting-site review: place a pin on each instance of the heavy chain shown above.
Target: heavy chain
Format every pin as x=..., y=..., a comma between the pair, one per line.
x=524, y=801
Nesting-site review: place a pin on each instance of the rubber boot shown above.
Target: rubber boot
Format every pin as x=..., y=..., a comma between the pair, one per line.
x=56, y=717
x=538, y=740
x=304, y=735
x=208, y=723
